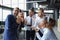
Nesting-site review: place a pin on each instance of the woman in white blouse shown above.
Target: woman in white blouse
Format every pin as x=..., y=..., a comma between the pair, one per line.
x=48, y=33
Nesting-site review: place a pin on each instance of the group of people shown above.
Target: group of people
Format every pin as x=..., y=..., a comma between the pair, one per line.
x=38, y=28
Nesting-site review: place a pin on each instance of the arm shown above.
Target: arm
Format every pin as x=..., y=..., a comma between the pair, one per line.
x=45, y=36
x=34, y=27
x=11, y=21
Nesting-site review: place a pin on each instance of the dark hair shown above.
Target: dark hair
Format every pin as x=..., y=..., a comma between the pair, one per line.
x=41, y=9
x=17, y=8
x=20, y=10
x=32, y=9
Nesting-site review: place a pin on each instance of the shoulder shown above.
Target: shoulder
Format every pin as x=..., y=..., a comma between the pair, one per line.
x=27, y=17
x=47, y=31
x=37, y=17
x=10, y=16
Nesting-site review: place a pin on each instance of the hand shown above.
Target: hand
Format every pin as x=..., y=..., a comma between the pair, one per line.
x=33, y=28
x=36, y=30
x=18, y=20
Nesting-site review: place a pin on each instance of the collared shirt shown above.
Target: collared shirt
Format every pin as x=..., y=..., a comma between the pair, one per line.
x=48, y=35
x=38, y=20
x=28, y=19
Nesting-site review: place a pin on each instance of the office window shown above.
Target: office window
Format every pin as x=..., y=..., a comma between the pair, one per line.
x=7, y=3
x=0, y=14
x=5, y=13
x=21, y=1
x=22, y=6
x=49, y=15
x=25, y=14
x=15, y=3
x=35, y=5
x=0, y=2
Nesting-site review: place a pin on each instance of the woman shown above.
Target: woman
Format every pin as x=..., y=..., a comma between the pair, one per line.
x=20, y=15
x=48, y=33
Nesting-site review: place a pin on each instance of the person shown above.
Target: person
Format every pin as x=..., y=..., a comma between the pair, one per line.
x=47, y=28
x=10, y=30
x=29, y=21
x=41, y=16
x=16, y=11
x=21, y=15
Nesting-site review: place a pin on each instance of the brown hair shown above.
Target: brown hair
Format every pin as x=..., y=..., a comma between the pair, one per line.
x=51, y=23
x=16, y=8
x=32, y=9
x=41, y=9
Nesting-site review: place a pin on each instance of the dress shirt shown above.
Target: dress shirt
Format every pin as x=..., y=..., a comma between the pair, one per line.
x=30, y=20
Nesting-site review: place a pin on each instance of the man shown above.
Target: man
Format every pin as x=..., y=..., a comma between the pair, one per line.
x=10, y=30
x=29, y=22
x=16, y=11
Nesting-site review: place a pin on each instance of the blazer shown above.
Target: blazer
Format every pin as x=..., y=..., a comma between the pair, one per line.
x=10, y=30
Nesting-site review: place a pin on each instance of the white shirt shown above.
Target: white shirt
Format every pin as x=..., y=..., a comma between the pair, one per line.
x=28, y=19
x=38, y=20
x=48, y=35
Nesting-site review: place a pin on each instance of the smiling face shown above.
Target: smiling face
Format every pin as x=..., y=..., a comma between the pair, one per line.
x=40, y=12
x=31, y=13
x=19, y=16
x=16, y=11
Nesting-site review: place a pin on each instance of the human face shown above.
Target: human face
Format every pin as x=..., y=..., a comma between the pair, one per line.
x=20, y=15
x=40, y=13
x=15, y=11
x=42, y=24
x=31, y=13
